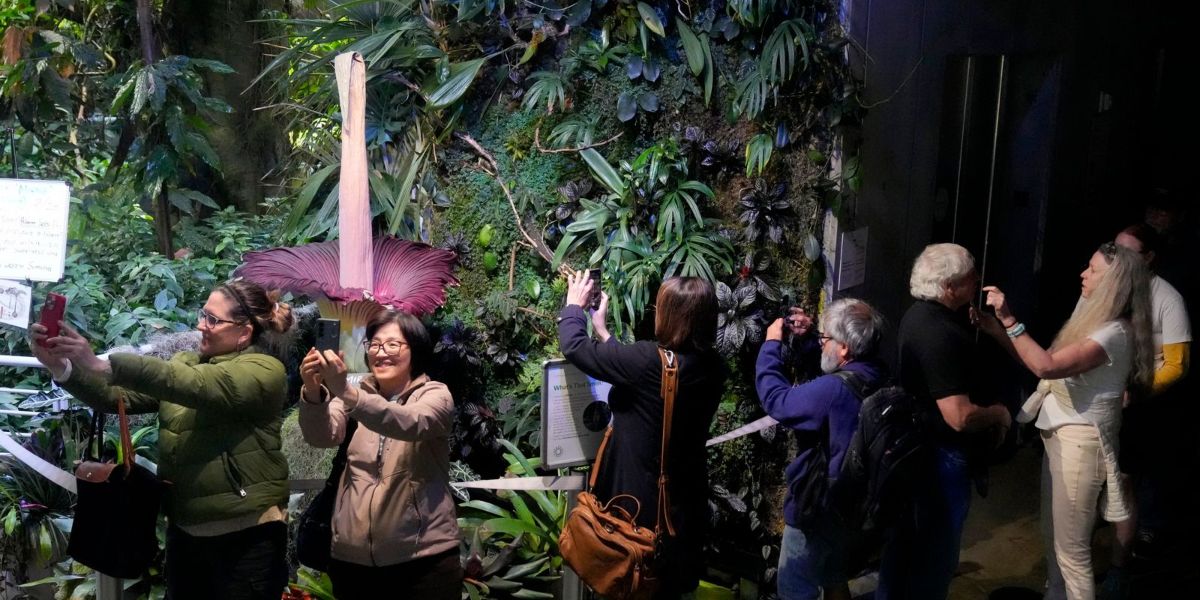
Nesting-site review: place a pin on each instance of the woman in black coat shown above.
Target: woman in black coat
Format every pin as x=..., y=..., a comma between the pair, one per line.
x=685, y=323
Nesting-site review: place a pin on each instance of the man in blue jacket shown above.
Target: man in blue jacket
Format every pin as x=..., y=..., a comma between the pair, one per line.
x=814, y=554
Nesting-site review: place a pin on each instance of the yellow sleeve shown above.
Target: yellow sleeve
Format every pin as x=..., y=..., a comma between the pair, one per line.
x=1175, y=365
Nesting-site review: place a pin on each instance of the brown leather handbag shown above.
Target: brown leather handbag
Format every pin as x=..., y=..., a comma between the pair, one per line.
x=603, y=543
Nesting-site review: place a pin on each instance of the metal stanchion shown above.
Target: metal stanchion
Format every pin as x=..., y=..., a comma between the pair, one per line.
x=572, y=587
x=109, y=588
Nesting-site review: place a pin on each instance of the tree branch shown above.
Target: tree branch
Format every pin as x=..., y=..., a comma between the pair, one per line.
x=491, y=167
x=537, y=143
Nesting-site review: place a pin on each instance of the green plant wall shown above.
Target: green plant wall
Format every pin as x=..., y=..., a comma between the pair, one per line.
x=645, y=138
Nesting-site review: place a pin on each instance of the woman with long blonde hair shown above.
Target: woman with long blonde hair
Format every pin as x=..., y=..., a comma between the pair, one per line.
x=1102, y=352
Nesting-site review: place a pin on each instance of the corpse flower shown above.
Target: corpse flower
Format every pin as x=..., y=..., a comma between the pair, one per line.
x=408, y=276
x=356, y=276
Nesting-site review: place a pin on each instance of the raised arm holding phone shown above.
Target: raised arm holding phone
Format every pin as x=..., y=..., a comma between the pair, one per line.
x=220, y=411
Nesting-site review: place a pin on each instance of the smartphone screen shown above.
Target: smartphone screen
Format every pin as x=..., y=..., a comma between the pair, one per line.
x=594, y=295
x=53, y=311
x=328, y=334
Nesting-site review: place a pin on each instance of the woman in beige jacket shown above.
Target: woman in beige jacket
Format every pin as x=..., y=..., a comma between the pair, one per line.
x=394, y=523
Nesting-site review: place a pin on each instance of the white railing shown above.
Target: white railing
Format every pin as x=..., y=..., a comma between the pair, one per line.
x=107, y=588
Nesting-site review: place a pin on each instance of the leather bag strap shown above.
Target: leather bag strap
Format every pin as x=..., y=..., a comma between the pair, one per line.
x=126, y=440
x=670, y=384
x=599, y=457
x=95, y=441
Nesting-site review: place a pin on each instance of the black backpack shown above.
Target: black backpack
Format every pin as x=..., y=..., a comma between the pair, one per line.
x=884, y=460
x=888, y=456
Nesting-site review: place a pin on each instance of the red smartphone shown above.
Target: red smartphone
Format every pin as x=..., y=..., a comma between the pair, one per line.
x=594, y=294
x=53, y=311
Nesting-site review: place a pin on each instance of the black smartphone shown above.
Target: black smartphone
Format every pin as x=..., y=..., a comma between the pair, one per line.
x=785, y=309
x=329, y=332
x=594, y=295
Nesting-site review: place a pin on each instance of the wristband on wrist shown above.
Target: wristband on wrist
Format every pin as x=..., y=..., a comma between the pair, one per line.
x=323, y=395
x=1015, y=330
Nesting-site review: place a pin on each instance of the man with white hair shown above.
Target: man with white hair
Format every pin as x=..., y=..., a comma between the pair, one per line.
x=939, y=367
x=824, y=414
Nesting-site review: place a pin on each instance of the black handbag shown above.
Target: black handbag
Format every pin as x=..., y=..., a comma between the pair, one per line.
x=314, y=532
x=116, y=510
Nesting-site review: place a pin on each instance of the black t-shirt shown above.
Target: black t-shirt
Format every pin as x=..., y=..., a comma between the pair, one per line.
x=939, y=358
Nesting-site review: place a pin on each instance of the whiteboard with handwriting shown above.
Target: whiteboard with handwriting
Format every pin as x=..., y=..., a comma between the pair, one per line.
x=33, y=229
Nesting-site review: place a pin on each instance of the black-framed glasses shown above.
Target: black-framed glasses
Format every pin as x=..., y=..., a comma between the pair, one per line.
x=822, y=338
x=390, y=348
x=203, y=316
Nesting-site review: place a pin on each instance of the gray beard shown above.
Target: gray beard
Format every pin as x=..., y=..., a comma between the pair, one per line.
x=829, y=362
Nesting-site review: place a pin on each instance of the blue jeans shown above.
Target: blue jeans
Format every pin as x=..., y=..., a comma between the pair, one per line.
x=920, y=555
x=808, y=561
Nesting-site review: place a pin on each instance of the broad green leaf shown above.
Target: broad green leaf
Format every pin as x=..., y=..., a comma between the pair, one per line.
x=10, y=521
x=650, y=18
x=461, y=76
x=529, y=568
x=708, y=68
x=603, y=171
x=487, y=507
x=512, y=527
x=142, y=91
x=691, y=47
x=305, y=197
x=215, y=66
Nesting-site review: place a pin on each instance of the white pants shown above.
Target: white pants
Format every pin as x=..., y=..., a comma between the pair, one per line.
x=1073, y=482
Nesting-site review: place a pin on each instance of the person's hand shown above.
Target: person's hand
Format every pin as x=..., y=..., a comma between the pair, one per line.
x=996, y=300
x=989, y=324
x=599, y=319
x=333, y=371
x=775, y=331
x=74, y=347
x=799, y=322
x=579, y=285
x=56, y=365
x=310, y=374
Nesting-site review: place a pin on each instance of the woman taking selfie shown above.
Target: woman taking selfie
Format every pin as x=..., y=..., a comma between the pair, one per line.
x=685, y=323
x=219, y=414
x=394, y=523
x=1102, y=351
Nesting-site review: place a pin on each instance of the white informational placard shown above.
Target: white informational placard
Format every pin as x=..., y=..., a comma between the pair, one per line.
x=15, y=301
x=852, y=259
x=575, y=414
x=33, y=229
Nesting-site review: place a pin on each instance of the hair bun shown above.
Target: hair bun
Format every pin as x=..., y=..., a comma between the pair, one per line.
x=281, y=318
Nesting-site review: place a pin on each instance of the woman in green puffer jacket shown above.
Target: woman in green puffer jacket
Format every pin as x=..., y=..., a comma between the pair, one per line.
x=220, y=412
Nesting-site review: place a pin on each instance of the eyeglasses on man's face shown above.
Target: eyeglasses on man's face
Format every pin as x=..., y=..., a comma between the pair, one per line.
x=822, y=338
x=390, y=348
x=210, y=320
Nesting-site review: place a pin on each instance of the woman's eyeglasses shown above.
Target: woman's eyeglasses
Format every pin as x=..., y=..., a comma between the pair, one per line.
x=391, y=348
x=211, y=320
